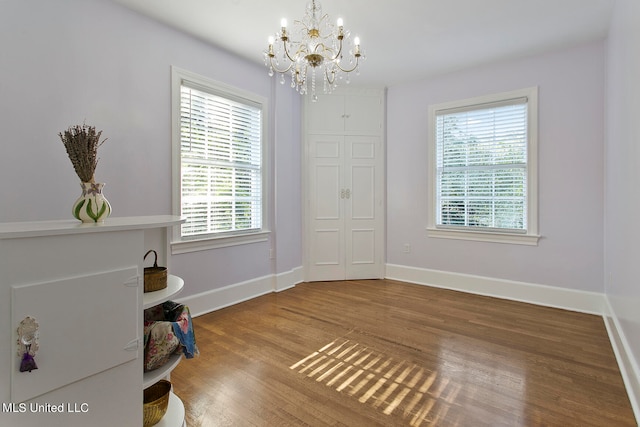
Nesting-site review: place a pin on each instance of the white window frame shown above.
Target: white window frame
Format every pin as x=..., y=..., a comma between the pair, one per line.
x=178, y=243
x=530, y=236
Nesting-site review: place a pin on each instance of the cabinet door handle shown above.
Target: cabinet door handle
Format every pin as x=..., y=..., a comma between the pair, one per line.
x=348, y=193
x=342, y=193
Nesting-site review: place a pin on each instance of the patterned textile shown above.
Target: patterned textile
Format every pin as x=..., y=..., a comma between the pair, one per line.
x=168, y=329
x=182, y=327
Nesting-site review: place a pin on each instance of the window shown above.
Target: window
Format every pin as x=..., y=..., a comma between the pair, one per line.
x=218, y=163
x=483, y=168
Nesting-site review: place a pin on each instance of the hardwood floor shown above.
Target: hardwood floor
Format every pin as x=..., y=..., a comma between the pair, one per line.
x=386, y=353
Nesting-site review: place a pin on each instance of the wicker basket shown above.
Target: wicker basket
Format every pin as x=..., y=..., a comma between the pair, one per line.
x=155, y=402
x=155, y=278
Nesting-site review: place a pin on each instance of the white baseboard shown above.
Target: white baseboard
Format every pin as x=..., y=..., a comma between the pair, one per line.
x=549, y=296
x=215, y=299
x=288, y=279
x=626, y=362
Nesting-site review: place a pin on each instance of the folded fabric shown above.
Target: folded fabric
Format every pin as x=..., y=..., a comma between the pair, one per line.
x=160, y=344
x=182, y=327
x=168, y=328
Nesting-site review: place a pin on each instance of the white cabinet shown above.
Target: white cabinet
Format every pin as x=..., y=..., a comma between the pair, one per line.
x=355, y=112
x=83, y=284
x=344, y=186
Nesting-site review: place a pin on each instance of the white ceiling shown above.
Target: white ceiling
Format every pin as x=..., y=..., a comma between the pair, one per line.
x=403, y=39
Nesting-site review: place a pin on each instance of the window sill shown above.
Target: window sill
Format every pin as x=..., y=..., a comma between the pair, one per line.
x=186, y=246
x=484, y=236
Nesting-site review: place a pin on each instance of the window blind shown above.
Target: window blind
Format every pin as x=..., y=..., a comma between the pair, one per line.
x=481, y=166
x=221, y=164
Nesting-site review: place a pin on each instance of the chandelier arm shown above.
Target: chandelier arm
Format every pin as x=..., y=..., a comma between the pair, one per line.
x=344, y=70
x=286, y=51
x=275, y=67
x=338, y=53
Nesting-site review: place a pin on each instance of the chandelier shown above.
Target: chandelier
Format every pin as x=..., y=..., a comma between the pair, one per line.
x=314, y=46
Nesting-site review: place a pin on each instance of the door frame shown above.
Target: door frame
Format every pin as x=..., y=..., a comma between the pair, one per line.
x=306, y=199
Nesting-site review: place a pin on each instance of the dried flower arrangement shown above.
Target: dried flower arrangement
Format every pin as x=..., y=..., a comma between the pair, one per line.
x=81, y=143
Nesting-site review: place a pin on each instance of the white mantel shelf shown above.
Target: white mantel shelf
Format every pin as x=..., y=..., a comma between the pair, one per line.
x=17, y=230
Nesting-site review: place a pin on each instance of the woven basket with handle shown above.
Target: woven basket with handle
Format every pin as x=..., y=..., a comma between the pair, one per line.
x=155, y=278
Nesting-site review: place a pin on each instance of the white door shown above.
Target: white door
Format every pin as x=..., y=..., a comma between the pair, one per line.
x=363, y=207
x=326, y=260
x=345, y=211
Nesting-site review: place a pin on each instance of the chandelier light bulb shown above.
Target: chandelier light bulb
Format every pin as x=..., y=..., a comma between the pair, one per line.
x=356, y=42
x=340, y=22
x=283, y=23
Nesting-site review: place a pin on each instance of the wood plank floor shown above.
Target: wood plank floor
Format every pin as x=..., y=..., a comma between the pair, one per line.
x=386, y=353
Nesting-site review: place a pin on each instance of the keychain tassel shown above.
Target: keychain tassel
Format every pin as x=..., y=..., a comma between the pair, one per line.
x=28, y=363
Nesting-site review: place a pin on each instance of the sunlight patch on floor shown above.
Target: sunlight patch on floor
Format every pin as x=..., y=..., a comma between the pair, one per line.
x=380, y=381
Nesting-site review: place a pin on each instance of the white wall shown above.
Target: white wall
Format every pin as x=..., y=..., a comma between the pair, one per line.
x=72, y=61
x=571, y=132
x=288, y=179
x=622, y=194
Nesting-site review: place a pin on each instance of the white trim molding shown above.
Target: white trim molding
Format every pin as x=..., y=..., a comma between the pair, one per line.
x=484, y=236
x=186, y=246
x=216, y=299
x=549, y=296
x=287, y=280
x=626, y=362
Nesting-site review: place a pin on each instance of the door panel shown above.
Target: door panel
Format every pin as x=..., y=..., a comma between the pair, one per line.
x=363, y=192
x=327, y=187
x=328, y=149
x=363, y=247
x=363, y=149
x=328, y=244
x=363, y=114
x=363, y=210
x=60, y=359
x=326, y=115
x=326, y=210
